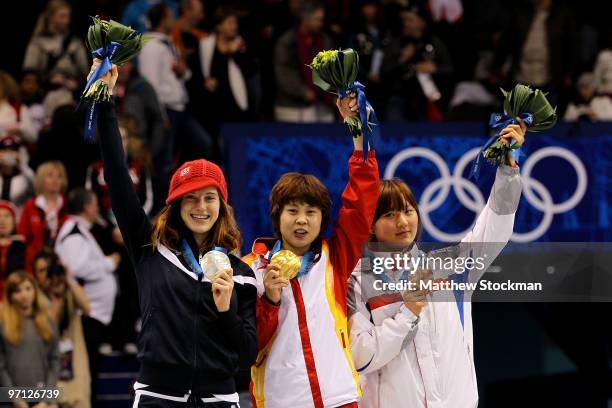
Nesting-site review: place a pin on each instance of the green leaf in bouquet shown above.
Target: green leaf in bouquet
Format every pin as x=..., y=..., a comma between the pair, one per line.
x=350, y=63
x=117, y=31
x=96, y=34
x=545, y=116
x=496, y=153
x=520, y=97
x=131, y=42
x=523, y=99
x=129, y=49
x=328, y=70
x=335, y=73
x=320, y=82
x=338, y=73
x=513, y=100
x=101, y=33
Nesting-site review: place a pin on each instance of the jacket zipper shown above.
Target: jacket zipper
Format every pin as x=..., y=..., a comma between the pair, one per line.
x=195, y=333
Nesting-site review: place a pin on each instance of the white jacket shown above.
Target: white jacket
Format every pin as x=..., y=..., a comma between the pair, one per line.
x=603, y=72
x=427, y=362
x=156, y=63
x=10, y=120
x=83, y=257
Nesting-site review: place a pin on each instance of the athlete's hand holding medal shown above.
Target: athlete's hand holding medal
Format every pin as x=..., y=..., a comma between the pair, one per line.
x=216, y=266
x=283, y=267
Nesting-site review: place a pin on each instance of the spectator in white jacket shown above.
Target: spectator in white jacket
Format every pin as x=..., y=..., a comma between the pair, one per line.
x=16, y=177
x=603, y=71
x=82, y=255
x=14, y=116
x=587, y=105
x=414, y=349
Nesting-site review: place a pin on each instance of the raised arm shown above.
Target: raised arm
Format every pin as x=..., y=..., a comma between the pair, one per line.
x=358, y=204
x=495, y=223
x=133, y=222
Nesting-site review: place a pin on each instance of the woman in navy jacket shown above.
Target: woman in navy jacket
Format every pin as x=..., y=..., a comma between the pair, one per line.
x=196, y=333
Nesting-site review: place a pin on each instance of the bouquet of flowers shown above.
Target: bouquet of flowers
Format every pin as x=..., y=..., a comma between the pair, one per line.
x=336, y=71
x=532, y=107
x=113, y=43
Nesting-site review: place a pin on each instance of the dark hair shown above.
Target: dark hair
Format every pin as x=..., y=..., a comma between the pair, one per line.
x=420, y=11
x=224, y=12
x=309, y=7
x=55, y=269
x=395, y=195
x=157, y=14
x=169, y=227
x=54, y=266
x=297, y=187
x=77, y=200
x=30, y=71
x=136, y=148
x=45, y=253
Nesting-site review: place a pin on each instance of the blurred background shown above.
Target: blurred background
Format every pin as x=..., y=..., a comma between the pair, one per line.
x=228, y=81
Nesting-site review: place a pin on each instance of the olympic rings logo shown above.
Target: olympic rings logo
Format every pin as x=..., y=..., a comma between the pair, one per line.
x=469, y=195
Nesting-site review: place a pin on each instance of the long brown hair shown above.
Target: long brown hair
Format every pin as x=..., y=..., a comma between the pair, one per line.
x=9, y=89
x=136, y=147
x=394, y=195
x=12, y=318
x=224, y=233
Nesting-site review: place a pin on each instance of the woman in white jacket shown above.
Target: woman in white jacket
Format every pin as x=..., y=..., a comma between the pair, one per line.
x=414, y=349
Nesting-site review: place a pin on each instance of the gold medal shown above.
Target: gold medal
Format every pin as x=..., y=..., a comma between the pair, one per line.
x=214, y=261
x=288, y=262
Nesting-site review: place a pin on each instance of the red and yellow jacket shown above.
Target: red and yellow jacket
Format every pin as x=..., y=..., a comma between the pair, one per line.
x=305, y=358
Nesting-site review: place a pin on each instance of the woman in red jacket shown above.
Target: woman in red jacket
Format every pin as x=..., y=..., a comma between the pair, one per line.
x=12, y=247
x=43, y=215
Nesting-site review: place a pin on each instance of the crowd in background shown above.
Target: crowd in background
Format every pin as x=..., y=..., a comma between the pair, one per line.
x=208, y=63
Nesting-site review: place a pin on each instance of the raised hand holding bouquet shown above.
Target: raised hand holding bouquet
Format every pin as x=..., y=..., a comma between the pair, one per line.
x=522, y=105
x=336, y=71
x=113, y=44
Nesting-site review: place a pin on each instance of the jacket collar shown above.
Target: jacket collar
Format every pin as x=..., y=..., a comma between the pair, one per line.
x=42, y=204
x=263, y=245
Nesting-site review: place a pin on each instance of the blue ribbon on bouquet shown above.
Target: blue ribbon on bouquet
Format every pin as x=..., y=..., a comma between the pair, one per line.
x=105, y=54
x=499, y=121
x=371, y=134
